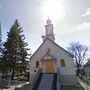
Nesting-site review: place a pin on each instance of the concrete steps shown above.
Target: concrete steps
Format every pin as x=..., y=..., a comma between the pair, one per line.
x=46, y=82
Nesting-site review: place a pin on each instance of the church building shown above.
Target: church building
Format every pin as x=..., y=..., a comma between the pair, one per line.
x=51, y=59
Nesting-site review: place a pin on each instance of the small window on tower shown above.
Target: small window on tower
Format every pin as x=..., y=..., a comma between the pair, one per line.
x=37, y=64
x=62, y=62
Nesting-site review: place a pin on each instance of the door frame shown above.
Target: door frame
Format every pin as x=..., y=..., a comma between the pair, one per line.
x=44, y=66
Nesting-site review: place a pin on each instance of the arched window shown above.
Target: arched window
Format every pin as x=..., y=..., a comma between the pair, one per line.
x=62, y=62
x=37, y=64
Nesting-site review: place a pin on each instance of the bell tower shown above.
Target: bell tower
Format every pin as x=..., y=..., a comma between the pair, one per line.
x=49, y=30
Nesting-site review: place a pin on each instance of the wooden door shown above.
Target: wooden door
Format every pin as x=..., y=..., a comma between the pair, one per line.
x=49, y=66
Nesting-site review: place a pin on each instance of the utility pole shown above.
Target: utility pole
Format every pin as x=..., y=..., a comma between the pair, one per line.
x=0, y=41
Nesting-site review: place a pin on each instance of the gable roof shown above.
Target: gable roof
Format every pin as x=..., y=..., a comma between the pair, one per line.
x=61, y=48
x=52, y=42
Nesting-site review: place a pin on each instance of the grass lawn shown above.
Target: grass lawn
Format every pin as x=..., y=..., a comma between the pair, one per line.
x=72, y=88
x=24, y=87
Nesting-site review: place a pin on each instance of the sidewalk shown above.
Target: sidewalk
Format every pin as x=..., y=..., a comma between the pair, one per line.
x=84, y=85
x=12, y=87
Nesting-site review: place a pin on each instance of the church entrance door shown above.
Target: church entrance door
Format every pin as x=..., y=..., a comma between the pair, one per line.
x=49, y=66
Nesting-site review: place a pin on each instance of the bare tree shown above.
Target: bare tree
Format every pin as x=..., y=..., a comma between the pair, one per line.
x=79, y=53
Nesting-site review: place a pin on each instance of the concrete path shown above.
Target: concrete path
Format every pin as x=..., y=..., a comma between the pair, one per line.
x=84, y=85
x=12, y=87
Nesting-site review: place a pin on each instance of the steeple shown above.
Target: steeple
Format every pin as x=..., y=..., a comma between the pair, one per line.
x=49, y=30
x=48, y=21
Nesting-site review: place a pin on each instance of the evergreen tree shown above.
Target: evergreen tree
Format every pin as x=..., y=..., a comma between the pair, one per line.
x=15, y=51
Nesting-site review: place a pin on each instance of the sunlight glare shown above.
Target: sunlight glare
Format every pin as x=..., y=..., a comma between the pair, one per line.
x=54, y=9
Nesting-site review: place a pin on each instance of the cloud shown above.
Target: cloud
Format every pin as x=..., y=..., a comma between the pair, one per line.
x=87, y=12
x=83, y=26
x=80, y=33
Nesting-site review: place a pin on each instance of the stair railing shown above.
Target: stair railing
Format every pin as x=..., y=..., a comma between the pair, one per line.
x=58, y=79
x=35, y=78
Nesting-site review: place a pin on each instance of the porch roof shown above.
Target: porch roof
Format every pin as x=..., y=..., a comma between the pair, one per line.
x=48, y=56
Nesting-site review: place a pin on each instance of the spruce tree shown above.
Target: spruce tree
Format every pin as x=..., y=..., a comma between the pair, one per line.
x=15, y=51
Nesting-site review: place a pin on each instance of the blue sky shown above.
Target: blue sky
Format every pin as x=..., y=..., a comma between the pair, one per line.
x=32, y=15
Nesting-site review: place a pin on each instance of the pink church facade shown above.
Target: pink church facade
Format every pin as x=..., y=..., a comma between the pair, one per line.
x=52, y=58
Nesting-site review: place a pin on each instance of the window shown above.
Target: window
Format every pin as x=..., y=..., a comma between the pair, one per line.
x=37, y=64
x=62, y=62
